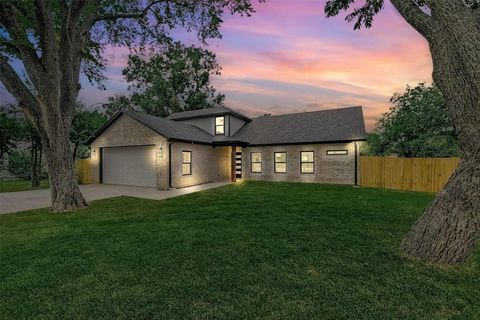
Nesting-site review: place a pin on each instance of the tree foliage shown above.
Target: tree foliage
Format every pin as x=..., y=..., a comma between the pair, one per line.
x=84, y=125
x=177, y=79
x=174, y=79
x=118, y=103
x=417, y=125
x=10, y=130
x=24, y=145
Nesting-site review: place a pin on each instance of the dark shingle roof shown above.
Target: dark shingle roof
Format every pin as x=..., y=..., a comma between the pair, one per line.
x=167, y=128
x=345, y=124
x=206, y=113
x=172, y=129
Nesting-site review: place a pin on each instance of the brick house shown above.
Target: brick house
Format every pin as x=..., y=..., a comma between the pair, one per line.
x=218, y=144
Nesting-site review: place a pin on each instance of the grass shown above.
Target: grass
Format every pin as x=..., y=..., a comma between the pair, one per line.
x=247, y=251
x=20, y=185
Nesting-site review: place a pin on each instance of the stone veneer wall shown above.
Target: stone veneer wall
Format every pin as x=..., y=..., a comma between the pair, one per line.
x=333, y=169
x=208, y=164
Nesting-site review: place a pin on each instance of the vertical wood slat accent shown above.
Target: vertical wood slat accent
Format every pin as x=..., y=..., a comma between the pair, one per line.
x=411, y=174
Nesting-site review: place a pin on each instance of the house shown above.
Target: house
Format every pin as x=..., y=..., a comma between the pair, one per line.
x=218, y=144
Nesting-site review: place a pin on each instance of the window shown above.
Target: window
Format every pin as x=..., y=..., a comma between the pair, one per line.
x=187, y=163
x=220, y=125
x=307, y=162
x=280, y=159
x=256, y=162
x=337, y=152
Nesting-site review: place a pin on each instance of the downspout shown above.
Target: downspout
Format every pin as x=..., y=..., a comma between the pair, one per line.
x=170, y=164
x=356, y=163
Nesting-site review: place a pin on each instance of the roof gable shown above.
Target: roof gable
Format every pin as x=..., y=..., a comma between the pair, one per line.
x=164, y=127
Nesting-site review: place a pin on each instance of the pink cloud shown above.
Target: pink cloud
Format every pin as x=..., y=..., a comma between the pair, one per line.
x=301, y=61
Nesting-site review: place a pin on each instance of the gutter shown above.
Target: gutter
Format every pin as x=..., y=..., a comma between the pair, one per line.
x=356, y=162
x=170, y=164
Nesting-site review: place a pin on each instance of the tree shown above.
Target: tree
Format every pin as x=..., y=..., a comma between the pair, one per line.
x=9, y=130
x=448, y=229
x=56, y=40
x=177, y=79
x=117, y=103
x=84, y=125
x=32, y=138
x=417, y=125
x=15, y=129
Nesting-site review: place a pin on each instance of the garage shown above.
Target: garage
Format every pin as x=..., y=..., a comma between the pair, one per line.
x=133, y=166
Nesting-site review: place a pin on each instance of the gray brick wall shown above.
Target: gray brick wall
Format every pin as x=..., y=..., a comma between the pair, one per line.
x=208, y=164
x=334, y=169
x=127, y=131
x=214, y=164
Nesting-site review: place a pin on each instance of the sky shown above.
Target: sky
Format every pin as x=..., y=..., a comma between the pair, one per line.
x=289, y=58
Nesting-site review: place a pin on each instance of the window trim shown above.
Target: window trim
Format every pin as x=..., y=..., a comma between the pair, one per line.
x=344, y=152
x=220, y=125
x=275, y=162
x=302, y=162
x=189, y=163
x=252, y=162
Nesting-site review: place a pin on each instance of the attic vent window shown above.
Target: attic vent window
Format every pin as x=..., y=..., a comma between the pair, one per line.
x=220, y=125
x=337, y=152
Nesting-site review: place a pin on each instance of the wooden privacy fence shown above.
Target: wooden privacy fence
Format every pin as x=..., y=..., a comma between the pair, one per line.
x=412, y=174
x=83, y=168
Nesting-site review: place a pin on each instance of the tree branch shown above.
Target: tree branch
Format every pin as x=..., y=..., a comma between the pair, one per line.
x=128, y=15
x=17, y=87
x=11, y=48
x=19, y=39
x=46, y=30
x=418, y=19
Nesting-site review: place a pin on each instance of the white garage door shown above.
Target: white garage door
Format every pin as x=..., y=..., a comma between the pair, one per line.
x=134, y=166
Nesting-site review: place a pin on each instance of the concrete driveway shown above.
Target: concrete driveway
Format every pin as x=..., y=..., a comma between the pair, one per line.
x=27, y=200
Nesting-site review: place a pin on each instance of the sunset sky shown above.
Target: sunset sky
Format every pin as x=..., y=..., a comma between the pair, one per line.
x=288, y=57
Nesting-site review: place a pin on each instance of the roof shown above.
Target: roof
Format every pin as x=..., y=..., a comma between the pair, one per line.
x=344, y=124
x=167, y=128
x=200, y=113
x=336, y=125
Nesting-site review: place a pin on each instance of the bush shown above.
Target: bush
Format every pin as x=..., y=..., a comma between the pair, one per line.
x=20, y=165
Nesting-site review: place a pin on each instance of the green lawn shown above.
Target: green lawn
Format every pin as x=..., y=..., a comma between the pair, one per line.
x=20, y=185
x=247, y=251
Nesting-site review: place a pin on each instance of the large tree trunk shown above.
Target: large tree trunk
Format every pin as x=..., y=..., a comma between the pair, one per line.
x=34, y=156
x=53, y=67
x=65, y=192
x=450, y=226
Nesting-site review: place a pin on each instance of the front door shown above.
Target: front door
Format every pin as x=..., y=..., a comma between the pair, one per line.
x=238, y=165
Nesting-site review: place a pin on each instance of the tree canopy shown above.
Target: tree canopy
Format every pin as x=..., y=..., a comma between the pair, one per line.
x=417, y=125
x=171, y=80
x=84, y=125
x=10, y=130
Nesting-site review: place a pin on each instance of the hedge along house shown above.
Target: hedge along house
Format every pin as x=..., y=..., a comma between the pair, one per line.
x=219, y=144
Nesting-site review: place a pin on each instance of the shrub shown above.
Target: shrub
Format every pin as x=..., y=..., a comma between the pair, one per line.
x=20, y=165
